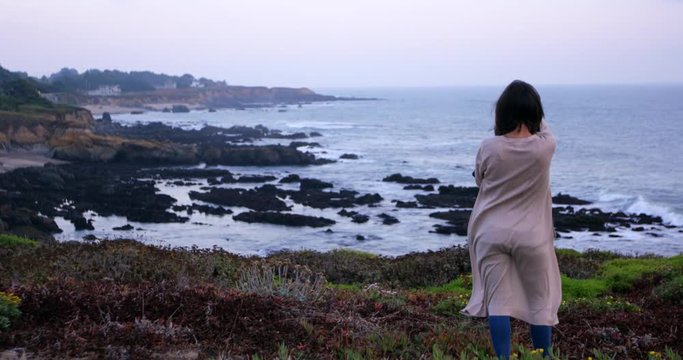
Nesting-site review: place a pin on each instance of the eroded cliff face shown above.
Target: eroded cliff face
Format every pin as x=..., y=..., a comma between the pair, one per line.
x=26, y=131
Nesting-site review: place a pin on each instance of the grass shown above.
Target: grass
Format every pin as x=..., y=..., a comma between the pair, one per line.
x=10, y=240
x=106, y=296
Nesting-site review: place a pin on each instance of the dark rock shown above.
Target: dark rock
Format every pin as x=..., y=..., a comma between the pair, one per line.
x=291, y=178
x=355, y=216
x=406, y=204
x=398, y=178
x=80, y=223
x=213, y=181
x=360, y=218
x=564, y=199
x=126, y=227
x=137, y=112
x=388, y=219
x=450, y=196
x=639, y=228
x=90, y=237
x=260, y=199
x=283, y=219
x=278, y=135
x=360, y=237
x=106, y=116
x=419, y=187
x=268, y=155
x=447, y=230
x=211, y=210
x=457, y=220
x=212, y=110
x=315, y=134
x=323, y=199
x=180, y=109
x=255, y=178
x=329, y=231
x=368, y=199
x=296, y=144
x=183, y=173
x=313, y=184
x=349, y=156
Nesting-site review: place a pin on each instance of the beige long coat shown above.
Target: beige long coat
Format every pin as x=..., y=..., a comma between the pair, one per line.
x=510, y=233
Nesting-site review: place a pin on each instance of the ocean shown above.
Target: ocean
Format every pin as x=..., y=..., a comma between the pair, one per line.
x=618, y=146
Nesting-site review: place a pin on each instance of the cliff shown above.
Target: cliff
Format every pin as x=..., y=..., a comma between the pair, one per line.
x=215, y=97
x=26, y=130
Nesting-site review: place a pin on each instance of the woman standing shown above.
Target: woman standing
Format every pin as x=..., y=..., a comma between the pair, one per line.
x=510, y=233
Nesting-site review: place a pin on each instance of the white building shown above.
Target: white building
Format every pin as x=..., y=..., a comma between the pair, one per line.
x=106, y=91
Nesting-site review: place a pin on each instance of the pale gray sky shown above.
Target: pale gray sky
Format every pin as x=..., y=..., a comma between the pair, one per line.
x=352, y=42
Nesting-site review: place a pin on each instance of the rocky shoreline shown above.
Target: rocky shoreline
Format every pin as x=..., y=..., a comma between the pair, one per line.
x=117, y=170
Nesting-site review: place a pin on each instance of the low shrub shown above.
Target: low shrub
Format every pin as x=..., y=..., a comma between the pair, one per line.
x=9, y=309
x=582, y=288
x=622, y=275
x=10, y=240
x=294, y=281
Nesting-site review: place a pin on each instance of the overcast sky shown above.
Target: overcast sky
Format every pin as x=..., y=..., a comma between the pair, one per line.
x=320, y=43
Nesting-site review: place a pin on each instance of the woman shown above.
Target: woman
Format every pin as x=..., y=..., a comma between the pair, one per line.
x=510, y=233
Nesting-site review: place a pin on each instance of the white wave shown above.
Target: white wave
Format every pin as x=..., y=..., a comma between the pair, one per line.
x=643, y=206
x=319, y=125
x=637, y=204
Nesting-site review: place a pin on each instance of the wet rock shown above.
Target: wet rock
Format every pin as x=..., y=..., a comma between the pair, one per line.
x=315, y=134
x=419, y=187
x=283, y=219
x=360, y=237
x=450, y=196
x=180, y=109
x=398, y=178
x=89, y=237
x=329, y=231
x=355, y=216
x=106, y=116
x=268, y=155
x=259, y=199
x=211, y=210
x=564, y=199
x=291, y=178
x=254, y=178
x=349, y=156
x=388, y=219
x=313, y=184
x=183, y=173
x=324, y=199
x=457, y=221
x=406, y=204
x=80, y=223
x=368, y=199
x=126, y=227
x=212, y=110
x=296, y=144
x=107, y=190
x=274, y=134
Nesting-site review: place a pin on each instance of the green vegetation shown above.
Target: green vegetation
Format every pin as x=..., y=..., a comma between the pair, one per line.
x=70, y=80
x=10, y=240
x=114, y=295
x=9, y=310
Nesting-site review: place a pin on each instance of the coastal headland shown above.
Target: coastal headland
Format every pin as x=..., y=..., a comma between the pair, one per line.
x=100, y=298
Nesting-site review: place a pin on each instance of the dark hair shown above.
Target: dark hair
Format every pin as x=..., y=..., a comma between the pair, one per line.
x=518, y=104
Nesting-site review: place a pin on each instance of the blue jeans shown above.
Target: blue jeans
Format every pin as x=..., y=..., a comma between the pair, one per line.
x=499, y=326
